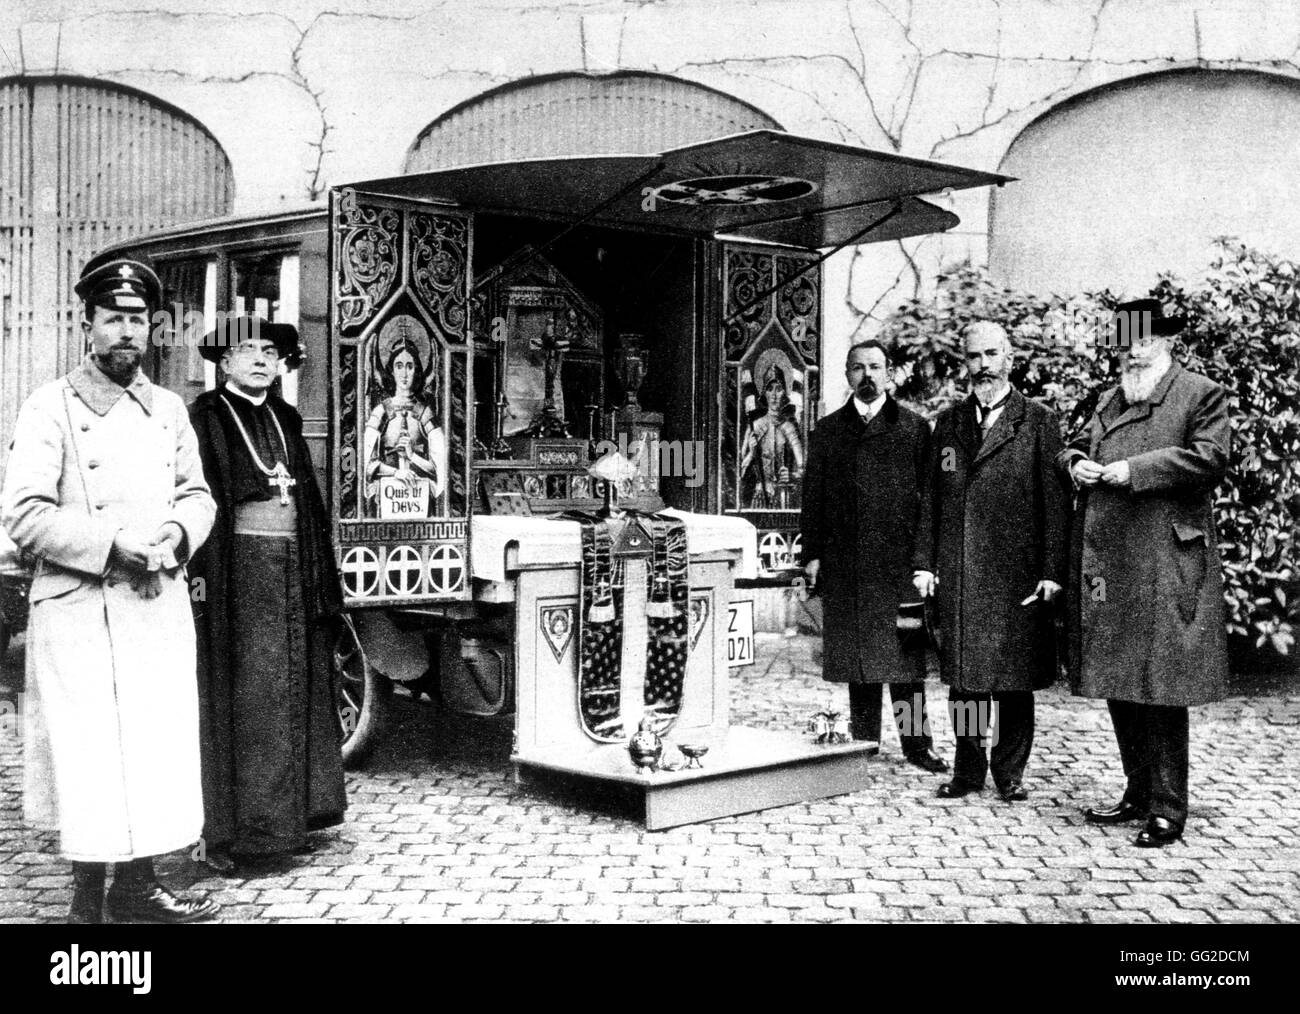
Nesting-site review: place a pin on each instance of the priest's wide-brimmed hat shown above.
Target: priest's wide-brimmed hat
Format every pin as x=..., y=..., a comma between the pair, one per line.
x=231, y=331
x=119, y=284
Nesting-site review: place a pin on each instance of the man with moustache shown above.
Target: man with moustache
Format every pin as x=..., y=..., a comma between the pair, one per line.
x=862, y=487
x=1146, y=588
x=104, y=488
x=272, y=768
x=991, y=549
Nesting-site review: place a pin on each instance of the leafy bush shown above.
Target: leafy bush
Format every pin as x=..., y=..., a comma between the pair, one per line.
x=1243, y=332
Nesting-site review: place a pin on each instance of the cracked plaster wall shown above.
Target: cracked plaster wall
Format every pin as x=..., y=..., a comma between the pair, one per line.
x=303, y=94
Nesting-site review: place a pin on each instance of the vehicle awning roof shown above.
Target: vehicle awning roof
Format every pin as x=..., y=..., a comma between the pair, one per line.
x=762, y=185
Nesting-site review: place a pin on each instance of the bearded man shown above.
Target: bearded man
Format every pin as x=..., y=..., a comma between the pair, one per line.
x=104, y=487
x=991, y=549
x=1146, y=608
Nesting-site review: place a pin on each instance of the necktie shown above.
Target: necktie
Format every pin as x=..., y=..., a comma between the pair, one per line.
x=985, y=412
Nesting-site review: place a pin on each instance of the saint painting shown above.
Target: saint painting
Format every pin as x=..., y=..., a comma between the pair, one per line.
x=405, y=448
x=772, y=453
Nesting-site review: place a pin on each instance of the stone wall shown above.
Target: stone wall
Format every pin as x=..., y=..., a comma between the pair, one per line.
x=304, y=94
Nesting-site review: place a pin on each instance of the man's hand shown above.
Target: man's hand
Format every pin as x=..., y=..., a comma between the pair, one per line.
x=1116, y=474
x=1087, y=472
x=811, y=569
x=1045, y=590
x=167, y=543
x=925, y=583
x=131, y=554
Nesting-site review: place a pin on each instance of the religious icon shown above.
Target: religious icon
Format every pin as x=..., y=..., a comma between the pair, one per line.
x=771, y=456
x=405, y=448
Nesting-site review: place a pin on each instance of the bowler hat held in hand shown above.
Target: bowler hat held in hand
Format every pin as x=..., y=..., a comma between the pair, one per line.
x=917, y=625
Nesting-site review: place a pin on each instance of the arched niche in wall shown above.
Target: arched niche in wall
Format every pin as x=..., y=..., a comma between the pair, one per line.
x=581, y=114
x=84, y=164
x=1131, y=179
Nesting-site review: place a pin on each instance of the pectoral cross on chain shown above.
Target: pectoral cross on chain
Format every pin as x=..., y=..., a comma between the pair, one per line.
x=281, y=478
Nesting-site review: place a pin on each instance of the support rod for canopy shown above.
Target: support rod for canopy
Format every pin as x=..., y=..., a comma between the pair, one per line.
x=816, y=262
x=534, y=251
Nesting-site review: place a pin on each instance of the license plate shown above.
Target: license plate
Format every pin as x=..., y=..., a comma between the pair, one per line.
x=740, y=633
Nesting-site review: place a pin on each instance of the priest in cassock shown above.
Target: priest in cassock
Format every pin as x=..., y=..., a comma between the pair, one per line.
x=272, y=770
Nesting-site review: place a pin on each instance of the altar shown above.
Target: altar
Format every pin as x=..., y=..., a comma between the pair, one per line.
x=534, y=564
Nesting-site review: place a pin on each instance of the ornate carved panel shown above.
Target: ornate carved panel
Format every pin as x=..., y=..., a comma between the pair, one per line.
x=439, y=248
x=771, y=337
x=367, y=241
x=402, y=415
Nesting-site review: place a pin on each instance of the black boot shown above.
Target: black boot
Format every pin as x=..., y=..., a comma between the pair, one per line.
x=87, y=908
x=136, y=896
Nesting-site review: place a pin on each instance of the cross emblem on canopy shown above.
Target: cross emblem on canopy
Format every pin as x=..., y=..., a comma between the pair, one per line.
x=774, y=551
x=126, y=271
x=446, y=569
x=402, y=571
x=360, y=571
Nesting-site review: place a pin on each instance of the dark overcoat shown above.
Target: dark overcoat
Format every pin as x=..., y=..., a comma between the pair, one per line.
x=861, y=492
x=993, y=524
x=1146, y=584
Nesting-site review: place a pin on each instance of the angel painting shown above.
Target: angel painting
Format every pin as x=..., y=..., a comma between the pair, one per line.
x=405, y=448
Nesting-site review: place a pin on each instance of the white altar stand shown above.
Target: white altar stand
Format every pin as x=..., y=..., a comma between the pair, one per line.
x=534, y=564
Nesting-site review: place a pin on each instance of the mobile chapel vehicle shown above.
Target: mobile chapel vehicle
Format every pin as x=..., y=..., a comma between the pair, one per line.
x=475, y=338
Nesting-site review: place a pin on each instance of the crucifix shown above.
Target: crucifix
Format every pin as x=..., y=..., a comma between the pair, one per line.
x=280, y=477
x=553, y=343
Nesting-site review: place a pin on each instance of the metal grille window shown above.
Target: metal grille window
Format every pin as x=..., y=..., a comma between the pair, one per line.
x=83, y=165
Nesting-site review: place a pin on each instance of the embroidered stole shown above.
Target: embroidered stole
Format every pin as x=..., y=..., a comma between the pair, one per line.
x=600, y=624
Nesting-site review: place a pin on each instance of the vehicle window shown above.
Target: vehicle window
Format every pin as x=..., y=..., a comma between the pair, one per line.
x=266, y=285
x=174, y=360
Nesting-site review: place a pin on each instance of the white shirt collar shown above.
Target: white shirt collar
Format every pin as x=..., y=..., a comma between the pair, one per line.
x=247, y=397
x=868, y=410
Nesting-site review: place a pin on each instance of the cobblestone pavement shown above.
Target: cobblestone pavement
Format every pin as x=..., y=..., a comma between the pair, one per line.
x=437, y=831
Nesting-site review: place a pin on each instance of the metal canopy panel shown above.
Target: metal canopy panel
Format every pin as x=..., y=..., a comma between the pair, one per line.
x=763, y=185
x=913, y=217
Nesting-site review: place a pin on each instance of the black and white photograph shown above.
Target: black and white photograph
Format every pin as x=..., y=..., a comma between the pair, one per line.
x=483, y=461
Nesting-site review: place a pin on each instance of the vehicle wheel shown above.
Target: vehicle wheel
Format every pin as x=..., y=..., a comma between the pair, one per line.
x=362, y=696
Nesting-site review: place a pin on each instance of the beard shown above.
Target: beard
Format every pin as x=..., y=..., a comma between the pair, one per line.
x=985, y=384
x=867, y=390
x=1137, y=382
x=120, y=363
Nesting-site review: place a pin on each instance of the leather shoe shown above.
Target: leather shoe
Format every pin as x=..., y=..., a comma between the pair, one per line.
x=86, y=909
x=1160, y=831
x=1013, y=792
x=221, y=862
x=955, y=789
x=927, y=760
x=154, y=903
x=1121, y=813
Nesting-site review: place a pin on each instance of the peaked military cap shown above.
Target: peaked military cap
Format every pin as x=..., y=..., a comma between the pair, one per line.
x=119, y=284
x=231, y=331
